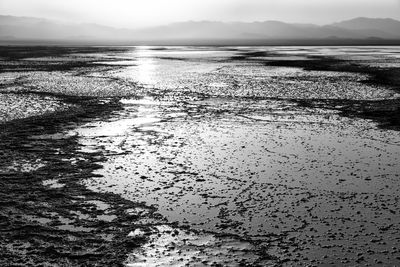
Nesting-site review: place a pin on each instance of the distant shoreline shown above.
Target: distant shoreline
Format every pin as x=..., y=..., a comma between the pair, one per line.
x=209, y=42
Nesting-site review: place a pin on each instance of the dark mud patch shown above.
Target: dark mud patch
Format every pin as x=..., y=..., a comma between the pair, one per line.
x=385, y=112
x=252, y=54
x=23, y=52
x=49, y=58
x=379, y=76
x=65, y=225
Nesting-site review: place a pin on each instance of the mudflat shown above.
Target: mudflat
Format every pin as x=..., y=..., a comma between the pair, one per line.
x=206, y=156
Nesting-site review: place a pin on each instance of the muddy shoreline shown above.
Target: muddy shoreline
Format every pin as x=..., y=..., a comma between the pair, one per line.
x=49, y=217
x=42, y=225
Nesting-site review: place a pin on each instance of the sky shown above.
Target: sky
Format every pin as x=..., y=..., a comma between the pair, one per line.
x=145, y=13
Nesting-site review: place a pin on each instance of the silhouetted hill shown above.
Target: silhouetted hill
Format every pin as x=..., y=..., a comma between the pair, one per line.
x=374, y=27
x=27, y=29
x=256, y=30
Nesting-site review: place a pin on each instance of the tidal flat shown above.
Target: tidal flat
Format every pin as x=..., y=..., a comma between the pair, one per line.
x=199, y=156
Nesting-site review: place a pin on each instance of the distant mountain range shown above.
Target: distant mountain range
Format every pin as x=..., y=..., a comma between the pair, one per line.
x=359, y=30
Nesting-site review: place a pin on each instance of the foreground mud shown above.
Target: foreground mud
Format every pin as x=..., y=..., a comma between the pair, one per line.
x=308, y=187
x=49, y=218
x=199, y=157
x=46, y=223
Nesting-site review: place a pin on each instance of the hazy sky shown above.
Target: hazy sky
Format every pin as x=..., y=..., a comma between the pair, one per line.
x=140, y=13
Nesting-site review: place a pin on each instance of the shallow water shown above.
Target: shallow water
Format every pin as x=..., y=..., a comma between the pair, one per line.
x=210, y=156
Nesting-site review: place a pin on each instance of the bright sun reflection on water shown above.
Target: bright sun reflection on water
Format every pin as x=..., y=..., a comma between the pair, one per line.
x=146, y=66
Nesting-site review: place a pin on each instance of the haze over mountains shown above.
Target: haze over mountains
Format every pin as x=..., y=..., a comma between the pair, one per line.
x=358, y=30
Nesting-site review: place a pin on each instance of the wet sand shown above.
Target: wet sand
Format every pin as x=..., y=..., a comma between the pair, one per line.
x=207, y=156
